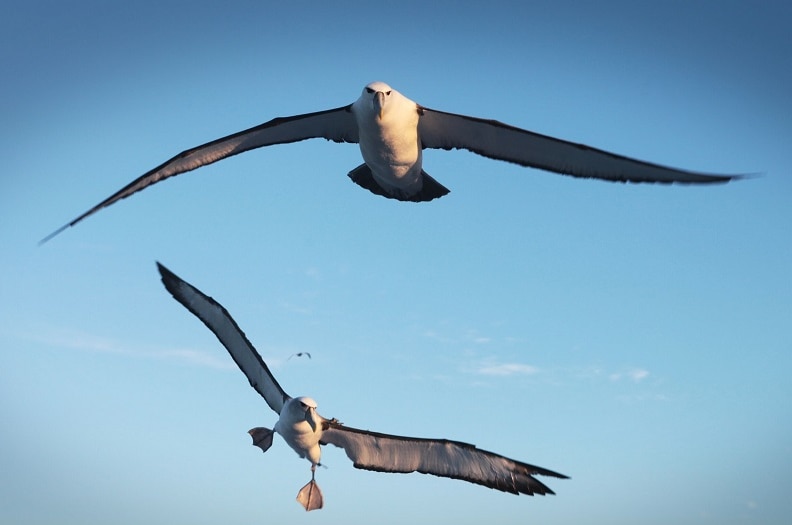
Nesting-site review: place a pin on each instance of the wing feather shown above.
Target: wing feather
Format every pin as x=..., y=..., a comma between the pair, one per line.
x=439, y=457
x=337, y=124
x=220, y=322
x=500, y=141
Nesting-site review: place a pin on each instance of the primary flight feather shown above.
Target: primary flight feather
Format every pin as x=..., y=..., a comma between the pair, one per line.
x=305, y=431
x=392, y=132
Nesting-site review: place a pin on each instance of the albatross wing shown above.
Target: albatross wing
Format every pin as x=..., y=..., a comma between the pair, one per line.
x=337, y=124
x=219, y=321
x=440, y=457
x=500, y=141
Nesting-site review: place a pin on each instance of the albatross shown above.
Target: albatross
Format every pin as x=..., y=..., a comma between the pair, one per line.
x=392, y=132
x=305, y=431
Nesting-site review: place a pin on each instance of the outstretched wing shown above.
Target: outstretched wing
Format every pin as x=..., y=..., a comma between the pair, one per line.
x=338, y=125
x=219, y=321
x=440, y=457
x=499, y=141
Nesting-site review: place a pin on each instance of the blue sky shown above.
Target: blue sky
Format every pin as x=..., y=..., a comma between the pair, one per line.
x=636, y=338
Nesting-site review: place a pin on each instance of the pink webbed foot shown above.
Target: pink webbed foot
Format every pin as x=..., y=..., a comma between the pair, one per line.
x=310, y=496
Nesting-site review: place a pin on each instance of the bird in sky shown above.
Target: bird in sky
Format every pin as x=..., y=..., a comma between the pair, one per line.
x=392, y=132
x=305, y=431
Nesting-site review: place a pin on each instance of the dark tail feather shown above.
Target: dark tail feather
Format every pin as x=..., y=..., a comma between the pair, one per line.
x=431, y=188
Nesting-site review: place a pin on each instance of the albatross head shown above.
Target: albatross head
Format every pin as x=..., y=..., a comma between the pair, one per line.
x=308, y=408
x=378, y=92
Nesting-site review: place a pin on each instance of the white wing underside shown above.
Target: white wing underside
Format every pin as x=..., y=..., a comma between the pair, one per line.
x=440, y=457
x=218, y=320
x=499, y=141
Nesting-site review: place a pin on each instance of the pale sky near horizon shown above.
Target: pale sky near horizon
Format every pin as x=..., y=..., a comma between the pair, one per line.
x=637, y=338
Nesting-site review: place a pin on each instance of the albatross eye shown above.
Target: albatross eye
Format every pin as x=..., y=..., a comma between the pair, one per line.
x=369, y=90
x=388, y=92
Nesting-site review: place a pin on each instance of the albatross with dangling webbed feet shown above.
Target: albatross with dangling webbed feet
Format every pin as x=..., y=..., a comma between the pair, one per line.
x=305, y=431
x=392, y=132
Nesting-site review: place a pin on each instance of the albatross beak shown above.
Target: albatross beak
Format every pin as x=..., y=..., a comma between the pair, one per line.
x=310, y=417
x=379, y=102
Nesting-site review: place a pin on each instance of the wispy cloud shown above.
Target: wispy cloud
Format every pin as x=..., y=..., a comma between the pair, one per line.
x=636, y=375
x=77, y=341
x=440, y=338
x=195, y=357
x=506, y=369
x=471, y=336
x=92, y=343
x=313, y=272
x=295, y=308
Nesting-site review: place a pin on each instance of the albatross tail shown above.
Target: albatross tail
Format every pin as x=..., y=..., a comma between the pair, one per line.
x=431, y=188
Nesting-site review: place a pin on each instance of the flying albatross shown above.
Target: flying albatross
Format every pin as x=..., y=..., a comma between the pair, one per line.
x=392, y=132
x=304, y=430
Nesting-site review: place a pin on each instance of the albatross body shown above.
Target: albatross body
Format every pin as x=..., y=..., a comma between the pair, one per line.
x=392, y=132
x=305, y=431
x=391, y=148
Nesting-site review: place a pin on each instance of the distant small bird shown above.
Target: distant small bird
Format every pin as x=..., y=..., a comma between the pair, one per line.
x=300, y=354
x=392, y=132
x=304, y=430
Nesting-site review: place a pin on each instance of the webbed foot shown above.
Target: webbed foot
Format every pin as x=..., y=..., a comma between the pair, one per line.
x=262, y=437
x=310, y=496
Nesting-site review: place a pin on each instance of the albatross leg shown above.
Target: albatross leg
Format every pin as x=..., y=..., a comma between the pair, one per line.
x=310, y=496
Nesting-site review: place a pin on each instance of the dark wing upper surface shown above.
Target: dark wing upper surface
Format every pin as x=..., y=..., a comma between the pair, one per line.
x=337, y=124
x=220, y=322
x=496, y=140
x=440, y=457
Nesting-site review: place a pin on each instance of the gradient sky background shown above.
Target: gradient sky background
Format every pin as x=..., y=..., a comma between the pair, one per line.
x=637, y=338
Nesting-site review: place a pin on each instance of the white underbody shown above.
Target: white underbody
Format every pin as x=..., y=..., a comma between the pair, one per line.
x=298, y=433
x=389, y=142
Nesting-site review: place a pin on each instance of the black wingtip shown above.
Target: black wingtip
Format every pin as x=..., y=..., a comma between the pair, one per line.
x=73, y=222
x=53, y=234
x=169, y=279
x=749, y=176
